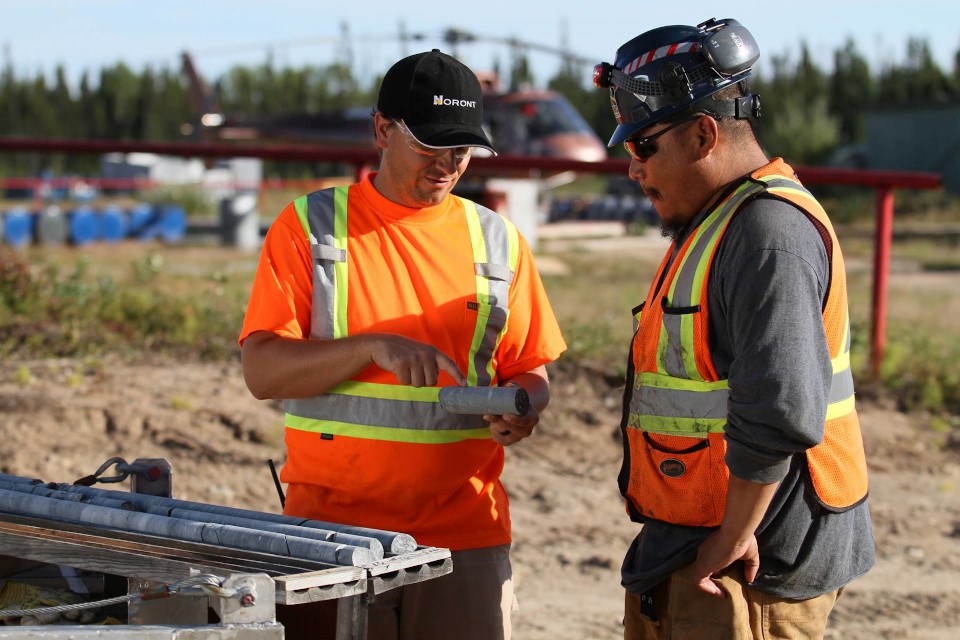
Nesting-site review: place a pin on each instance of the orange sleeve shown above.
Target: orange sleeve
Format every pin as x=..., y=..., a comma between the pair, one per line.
x=280, y=299
x=533, y=336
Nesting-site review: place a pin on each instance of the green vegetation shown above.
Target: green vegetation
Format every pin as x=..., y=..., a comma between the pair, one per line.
x=188, y=302
x=592, y=297
x=76, y=306
x=923, y=373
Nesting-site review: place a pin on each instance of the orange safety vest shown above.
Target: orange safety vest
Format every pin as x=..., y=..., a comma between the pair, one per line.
x=676, y=409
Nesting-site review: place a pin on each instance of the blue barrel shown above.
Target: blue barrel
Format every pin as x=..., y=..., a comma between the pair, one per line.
x=142, y=222
x=18, y=227
x=84, y=225
x=172, y=223
x=113, y=224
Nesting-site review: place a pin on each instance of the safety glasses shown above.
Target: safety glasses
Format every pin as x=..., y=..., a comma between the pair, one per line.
x=459, y=153
x=643, y=149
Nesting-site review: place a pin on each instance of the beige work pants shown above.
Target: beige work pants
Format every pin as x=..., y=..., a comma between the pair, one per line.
x=685, y=612
x=472, y=603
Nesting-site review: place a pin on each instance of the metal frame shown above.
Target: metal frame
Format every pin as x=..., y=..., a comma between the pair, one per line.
x=146, y=559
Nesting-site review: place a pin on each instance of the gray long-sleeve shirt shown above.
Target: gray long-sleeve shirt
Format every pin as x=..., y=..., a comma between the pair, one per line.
x=767, y=287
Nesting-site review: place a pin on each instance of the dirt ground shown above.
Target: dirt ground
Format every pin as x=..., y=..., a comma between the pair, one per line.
x=61, y=419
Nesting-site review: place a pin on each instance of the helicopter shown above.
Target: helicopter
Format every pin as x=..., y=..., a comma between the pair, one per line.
x=520, y=121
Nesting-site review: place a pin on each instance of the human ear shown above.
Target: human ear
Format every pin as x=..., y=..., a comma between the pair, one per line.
x=708, y=135
x=380, y=126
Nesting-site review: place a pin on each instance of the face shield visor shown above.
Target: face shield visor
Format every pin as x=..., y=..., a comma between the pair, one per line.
x=639, y=101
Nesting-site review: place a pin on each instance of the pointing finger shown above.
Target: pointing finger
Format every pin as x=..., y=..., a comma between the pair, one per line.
x=448, y=365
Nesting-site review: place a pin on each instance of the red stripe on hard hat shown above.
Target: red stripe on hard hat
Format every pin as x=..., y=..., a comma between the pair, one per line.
x=656, y=54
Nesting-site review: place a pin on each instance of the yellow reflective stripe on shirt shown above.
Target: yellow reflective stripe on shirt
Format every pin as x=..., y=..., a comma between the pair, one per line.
x=301, y=207
x=340, y=268
x=387, y=391
x=392, y=434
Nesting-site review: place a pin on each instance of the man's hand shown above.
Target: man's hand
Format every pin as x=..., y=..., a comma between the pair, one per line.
x=510, y=429
x=717, y=553
x=735, y=539
x=413, y=363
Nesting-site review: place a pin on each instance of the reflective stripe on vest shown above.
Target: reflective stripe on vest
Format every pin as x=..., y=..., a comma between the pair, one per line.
x=392, y=411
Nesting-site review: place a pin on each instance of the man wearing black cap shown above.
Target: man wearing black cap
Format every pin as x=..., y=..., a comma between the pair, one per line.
x=367, y=300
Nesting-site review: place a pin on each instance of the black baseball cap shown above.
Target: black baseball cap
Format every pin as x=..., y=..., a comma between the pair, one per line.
x=438, y=98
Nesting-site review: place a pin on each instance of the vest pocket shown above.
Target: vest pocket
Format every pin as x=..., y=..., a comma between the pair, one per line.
x=678, y=479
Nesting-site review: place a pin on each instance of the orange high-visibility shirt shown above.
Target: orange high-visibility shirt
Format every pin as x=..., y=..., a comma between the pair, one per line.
x=410, y=272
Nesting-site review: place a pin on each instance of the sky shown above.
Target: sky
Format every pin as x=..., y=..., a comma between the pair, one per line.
x=86, y=35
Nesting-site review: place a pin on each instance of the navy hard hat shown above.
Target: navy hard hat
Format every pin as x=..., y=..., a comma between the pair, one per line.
x=667, y=72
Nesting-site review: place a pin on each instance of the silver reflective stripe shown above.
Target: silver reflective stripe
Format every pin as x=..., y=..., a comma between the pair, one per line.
x=326, y=252
x=710, y=404
x=494, y=263
x=671, y=348
x=496, y=238
x=841, y=386
x=381, y=412
x=495, y=271
x=320, y=215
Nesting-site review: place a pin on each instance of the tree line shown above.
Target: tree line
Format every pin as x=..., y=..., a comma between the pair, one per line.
x=808, y=113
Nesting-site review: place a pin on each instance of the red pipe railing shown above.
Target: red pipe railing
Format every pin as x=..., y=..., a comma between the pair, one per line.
x=362, y=158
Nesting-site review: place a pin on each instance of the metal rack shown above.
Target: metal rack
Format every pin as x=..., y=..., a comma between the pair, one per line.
x=147, y=561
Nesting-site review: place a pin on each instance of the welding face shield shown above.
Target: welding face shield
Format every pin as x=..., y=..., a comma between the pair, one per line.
x=671, y=70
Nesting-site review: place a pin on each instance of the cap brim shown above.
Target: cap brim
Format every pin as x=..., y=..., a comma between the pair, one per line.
x=441, y=135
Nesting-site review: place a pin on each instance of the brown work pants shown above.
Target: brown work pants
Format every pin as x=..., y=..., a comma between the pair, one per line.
x=473, y=602
x=685, y=612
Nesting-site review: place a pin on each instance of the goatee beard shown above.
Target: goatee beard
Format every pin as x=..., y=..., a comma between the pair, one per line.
x=671, y=231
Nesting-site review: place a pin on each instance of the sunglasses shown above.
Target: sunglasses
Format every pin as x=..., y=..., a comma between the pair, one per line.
x=459, y=153
x=643, y=149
